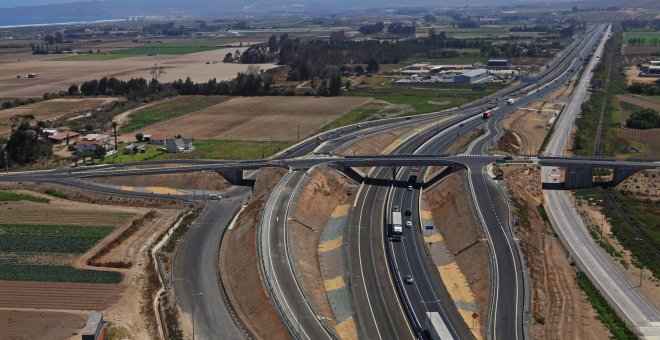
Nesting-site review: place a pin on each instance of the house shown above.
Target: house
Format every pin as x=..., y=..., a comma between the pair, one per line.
x=96, y=136
x=64, y=136
x=85, y=145
x=157, y=139
x=471, y=77
x=51, y=132
x=180, y=145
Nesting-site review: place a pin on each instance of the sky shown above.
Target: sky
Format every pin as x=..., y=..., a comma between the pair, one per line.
x=14, y=3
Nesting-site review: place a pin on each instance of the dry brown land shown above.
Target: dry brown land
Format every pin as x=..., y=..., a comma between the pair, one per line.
x=198, y=180
x=324, y=190
x=640, y=101
x=239, y=267
x=559, y=307
x=529, y=129
x=259, y=118
x=55, y=76
x=640, y=50
x=449, y=203
x=23, y=325
x=50, y=110
x=375, y=144
x=642, y=186
x=58, y=295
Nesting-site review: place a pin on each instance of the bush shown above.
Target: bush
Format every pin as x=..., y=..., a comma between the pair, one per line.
x=644, y=119
x=55, y=193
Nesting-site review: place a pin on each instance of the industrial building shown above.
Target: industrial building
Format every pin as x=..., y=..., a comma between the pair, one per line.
x=498, y=63
x=471, y=77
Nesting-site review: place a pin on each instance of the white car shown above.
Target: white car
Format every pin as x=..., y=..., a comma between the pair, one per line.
x=410, y=188
x=214, y=197
x=409, y=224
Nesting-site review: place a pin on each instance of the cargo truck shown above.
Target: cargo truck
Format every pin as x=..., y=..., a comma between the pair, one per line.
x=436, y=327
x=396, y=229
x=510, y=101
x=487, y=114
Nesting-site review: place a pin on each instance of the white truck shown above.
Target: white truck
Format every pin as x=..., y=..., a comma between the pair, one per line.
x=510, y=101
x=436, y=327
x=396, y=229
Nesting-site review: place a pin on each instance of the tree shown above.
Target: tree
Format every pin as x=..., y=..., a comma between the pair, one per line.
x=372, y=66
x=229, y=58
x=25, y=145
x=139, y=136
x=272, y=44
x=100, y=151
x=644, y=119
x=334, y=89
x=73, y=90
x=114, y=127
x=157, y=71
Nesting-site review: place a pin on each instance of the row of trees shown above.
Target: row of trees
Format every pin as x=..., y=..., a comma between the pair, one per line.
x=644, y=119
x=652, y=89
x=27, y=143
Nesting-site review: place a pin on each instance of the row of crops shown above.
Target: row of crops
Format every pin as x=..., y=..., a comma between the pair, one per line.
x=20, y=242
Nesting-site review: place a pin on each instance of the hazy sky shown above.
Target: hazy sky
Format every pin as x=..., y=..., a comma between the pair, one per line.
x=14, y=3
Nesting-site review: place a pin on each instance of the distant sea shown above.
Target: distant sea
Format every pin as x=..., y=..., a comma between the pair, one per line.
x=36, y=21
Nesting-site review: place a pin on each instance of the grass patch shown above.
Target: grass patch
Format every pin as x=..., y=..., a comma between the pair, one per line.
x=171, y=48
x=643, y=38
x=55, y=193
x=20, y=272
x=50, y=238
x=624, y=105
x=8, y=196
x=606, y=314
x=359, y=114
x=167, y=110
x=640, y=222
x=428, y=98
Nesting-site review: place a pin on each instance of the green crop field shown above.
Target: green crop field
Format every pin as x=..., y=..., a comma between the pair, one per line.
x=167, y=110
x=642, y=38
x=20, y=242
x=169, y=48
x=8, y=196
x=359, y=114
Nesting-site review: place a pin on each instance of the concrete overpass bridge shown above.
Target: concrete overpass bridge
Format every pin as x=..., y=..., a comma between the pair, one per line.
x=579, y=171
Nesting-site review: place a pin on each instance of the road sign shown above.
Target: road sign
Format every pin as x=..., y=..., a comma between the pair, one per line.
x=429, y=227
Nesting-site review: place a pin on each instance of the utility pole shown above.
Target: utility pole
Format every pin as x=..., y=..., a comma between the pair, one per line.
x=6, y=163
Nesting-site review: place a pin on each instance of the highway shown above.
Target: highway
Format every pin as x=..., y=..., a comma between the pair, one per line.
x=620, y=293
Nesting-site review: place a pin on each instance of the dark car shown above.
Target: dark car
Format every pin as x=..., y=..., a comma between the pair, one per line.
x=395, y=208
x=408, y=212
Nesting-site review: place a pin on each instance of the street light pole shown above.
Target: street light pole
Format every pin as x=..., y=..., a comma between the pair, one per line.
x=641, y=266
x=193, y=316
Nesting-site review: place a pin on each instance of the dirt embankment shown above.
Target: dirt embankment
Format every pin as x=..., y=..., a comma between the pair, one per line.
x=526, y=130
x=449, y=204
x=642, y=186
x=239, y=268
x=559, y=307
x=323, y=192
x=198, y=180
x=375, y=144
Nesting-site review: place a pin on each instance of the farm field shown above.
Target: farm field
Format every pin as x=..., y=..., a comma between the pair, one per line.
x=169, y=48
x=50, y=110
x=259, y=118
x=58, y=76
x=168, y=109
x=41, y=241
x=18, y=324
x=475, y=32
x=650, y=139
x=642, y=38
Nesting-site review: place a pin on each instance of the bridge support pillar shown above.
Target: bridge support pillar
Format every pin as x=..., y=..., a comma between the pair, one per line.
x=234, y=177
x=621, y=173
x=577, y=177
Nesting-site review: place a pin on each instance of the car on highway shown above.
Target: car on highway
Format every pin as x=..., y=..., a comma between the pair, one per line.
x=461, y=124
x=408, y=212
x=214, y=197
x=409, y=279
x=410, y=188
x=409, y=224
x=395, y=208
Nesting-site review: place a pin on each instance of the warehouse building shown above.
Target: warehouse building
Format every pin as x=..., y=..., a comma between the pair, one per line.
x=498, y=63
x=471, y=77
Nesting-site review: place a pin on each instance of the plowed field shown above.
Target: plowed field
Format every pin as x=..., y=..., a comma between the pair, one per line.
x=57, y=295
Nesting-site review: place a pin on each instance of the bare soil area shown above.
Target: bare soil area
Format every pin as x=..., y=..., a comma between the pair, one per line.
x=239, y=268
x=23, y=325
x=324, y=190
x=559, y=307
x=640, y=101
x=57, y=295
x=259, y=118
x=529, y=128
x=449, y=203
x=198, y=180
x=642, y=186
x=375, y=144
x=55, y=76
x=50, y=110
x=649, y=138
